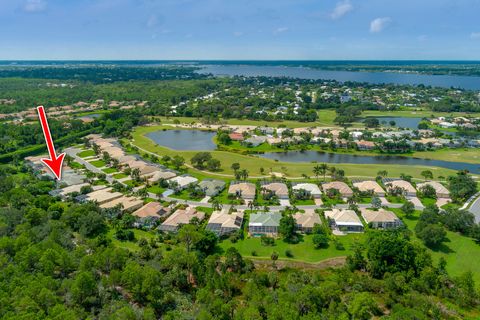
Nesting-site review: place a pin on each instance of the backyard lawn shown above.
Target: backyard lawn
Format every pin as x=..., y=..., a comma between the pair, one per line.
x=303, y=251
x=109, y=170
x=120, y=175
x=98, y=163
x=86, y=154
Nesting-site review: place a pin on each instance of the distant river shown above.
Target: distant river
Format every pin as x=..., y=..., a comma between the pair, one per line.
x=445, y=81
x=309, y=156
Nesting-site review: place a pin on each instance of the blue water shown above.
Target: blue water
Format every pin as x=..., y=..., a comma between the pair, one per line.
x=445, y=81
x=310, y=156
x=184, y=139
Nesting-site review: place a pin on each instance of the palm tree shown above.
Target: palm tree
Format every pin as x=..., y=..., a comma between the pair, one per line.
x=332, y=171
x=323, y=170
x=317, y=171
x=244, y=174
x=382, y=173
x=216, y=205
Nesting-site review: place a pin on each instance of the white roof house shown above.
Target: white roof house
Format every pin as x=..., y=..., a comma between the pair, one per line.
x=312, y=188
x=184, y=181
x=344, y=220
x=101, y=196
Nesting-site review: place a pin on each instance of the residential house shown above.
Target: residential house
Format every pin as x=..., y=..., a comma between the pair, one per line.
x=307, y=220
x=100, y=196
x=264, y=223
x=342, y=187
x=183, y=181
x=440, y=189
x=380, y=219
x=128, y=204
x=236, y=136
x=312, y=188
x=344, y=220
x=179, y=218
x=161, y=175
x=212, y=187
x=255, y=141
x=408, y=189
x=151, y=212
x=222, y=222
x=370, y=186
x=278, y=188
x=365, y=145
x=244, y=190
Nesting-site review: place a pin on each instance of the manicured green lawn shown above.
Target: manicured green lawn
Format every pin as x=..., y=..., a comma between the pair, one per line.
x=303, y=251
x=109, y=170
x=98, y=163
x=132, y=183
x=460, y=252
x=120, y=175
x=222, y=198
x=86, y=153
x=156, y=189
x=75, y=165
x=185, y=195
x=307, y=202
x=428, y=201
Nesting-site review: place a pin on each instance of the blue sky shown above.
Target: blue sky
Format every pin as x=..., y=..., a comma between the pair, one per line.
x=239, y=29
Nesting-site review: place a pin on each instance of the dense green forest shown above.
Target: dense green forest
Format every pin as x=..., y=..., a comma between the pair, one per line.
x=58, y=261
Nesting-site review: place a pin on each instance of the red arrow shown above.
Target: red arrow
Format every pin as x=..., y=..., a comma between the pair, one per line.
x=54, y=163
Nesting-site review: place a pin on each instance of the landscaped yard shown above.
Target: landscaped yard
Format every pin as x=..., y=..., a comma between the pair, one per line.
x=109, y=170
x=303, y=251
x=98, y=163
x=120, y=175
x=156, y=189
x=86, y=154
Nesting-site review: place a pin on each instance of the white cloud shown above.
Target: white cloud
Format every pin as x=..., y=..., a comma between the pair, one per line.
x=280, y=30
x=475, y=35
x=34, y=5
x=341, y=9
x=377, y=25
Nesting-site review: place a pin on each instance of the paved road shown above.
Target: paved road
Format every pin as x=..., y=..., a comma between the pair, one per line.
x=73, y=152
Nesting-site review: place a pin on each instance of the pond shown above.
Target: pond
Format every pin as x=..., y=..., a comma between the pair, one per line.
x=445, y=81
x=318, y=156
x=184, y=139
x=400, y=122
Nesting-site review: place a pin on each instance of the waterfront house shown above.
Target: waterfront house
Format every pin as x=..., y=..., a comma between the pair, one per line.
x=440, y=190
x=408, y=189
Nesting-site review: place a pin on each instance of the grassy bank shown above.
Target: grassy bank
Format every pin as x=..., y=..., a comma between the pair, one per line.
x=290, y=170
